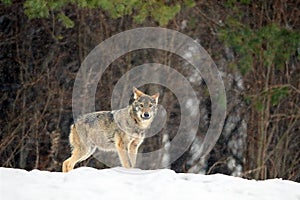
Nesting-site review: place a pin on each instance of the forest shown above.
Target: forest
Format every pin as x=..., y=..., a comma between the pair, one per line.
x=255, y=45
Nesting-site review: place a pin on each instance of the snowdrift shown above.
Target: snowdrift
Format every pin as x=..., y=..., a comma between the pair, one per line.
x=119, y=183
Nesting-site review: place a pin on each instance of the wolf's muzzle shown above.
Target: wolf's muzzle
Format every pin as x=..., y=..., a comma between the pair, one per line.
x=146, y=115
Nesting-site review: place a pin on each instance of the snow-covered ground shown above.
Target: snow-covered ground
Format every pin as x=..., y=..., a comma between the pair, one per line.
x=119, y=183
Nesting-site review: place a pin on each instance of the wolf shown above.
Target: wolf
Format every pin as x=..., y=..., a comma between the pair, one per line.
x=118, y=130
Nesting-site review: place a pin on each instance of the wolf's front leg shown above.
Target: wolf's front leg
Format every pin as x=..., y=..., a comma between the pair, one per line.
x=133, y=147
x=122, y=153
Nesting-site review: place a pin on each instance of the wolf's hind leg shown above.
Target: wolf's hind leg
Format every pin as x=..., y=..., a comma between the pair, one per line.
x=78, y=155
x=80, y=151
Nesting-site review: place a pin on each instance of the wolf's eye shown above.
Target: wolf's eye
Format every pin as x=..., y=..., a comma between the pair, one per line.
x=150, y=105
x=141, y=105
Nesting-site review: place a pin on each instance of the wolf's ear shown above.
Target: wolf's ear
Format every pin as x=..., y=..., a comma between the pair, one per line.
x=137, y=93
x=155, y=97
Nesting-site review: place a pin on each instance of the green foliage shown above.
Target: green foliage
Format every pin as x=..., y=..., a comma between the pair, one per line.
x=160, y=10
x=6, y=2
x=67, y=22
x=259, y=105
x=279, y=93
x=275, y=95
x=271, y=44
x=232, y=3
x=163, y=14
x=189, y=3
x=116, y=8
x=42, y=8
x=36, y=9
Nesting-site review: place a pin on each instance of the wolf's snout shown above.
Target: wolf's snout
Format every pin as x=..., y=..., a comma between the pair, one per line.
x=146, y=115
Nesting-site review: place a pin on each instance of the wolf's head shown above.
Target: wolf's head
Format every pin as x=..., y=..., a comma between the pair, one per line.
x=144, y=107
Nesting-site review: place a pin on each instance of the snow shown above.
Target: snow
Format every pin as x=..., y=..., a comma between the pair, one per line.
x=135, y=184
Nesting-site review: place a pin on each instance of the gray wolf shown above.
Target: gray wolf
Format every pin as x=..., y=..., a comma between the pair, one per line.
x=118, y=130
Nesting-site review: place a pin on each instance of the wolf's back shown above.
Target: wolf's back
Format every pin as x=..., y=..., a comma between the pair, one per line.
x=97, y=129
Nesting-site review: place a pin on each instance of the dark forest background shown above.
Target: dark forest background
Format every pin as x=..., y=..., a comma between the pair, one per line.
x=254, y=43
